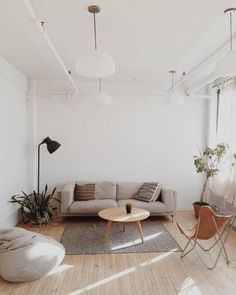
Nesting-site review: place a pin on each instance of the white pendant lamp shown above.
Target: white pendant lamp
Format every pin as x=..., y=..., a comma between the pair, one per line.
x=95, y=63
x=226, y=66
x=173, y=99
x=102, y=98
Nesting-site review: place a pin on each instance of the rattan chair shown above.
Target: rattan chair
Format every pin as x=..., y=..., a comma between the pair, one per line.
x=210, y=225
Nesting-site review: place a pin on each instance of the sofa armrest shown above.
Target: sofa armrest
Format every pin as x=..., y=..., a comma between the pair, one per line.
x=67, y=196
x=169, y=198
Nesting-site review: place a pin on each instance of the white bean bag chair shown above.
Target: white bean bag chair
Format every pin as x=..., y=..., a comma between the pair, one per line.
x=26, y=255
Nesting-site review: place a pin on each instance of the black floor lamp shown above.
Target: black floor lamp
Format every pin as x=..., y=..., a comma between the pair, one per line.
x=52, y=146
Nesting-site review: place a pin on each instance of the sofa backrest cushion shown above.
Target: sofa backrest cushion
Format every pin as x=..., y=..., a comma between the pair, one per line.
x=127, y=190
x=105, y=190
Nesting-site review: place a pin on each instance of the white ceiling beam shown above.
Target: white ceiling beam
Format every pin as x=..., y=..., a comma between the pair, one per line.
x=41, y=29
x=200, y=84
x=213, y=57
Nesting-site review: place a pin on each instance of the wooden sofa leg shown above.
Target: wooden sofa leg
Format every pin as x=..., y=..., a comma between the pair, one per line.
x=172, y=217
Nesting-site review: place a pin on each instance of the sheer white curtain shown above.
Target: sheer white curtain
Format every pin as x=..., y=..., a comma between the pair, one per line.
x=225, y=183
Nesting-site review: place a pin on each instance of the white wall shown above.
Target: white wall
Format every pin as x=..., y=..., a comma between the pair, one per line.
x=133, y=139
x=13, y=133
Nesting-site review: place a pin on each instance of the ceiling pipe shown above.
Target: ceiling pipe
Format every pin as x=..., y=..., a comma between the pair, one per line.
x=214, y=56
x=40, y=27
x=192, y=91
x=66, y=95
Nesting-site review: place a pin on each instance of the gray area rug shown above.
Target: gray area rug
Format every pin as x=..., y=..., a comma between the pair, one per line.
x=86, y=237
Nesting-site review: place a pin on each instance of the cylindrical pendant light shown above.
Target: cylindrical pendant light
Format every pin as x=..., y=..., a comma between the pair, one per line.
x=95, y=63
x=226, y=66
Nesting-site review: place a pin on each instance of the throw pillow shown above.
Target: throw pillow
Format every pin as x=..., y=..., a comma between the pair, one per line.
x=158, y=193
x=84, y=192
x=147, y=192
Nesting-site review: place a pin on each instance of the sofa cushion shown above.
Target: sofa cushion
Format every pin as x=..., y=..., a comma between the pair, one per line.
x=105, y=190
x=84, y=192
x=127, y=190
x=91, y=207
x=153, y=207
x=157, y=193
x=147, y=192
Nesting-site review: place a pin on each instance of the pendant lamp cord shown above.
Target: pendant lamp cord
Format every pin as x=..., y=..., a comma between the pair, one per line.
x=173, y=80
x=95, y=45
x=231, y=31
x=217, y=109
x=95, y=30
x=100, y=85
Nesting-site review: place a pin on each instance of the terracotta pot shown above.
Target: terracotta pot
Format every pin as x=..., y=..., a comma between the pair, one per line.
x=197, y=206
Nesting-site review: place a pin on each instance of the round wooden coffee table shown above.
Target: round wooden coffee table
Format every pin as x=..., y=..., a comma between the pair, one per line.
x=119, y=215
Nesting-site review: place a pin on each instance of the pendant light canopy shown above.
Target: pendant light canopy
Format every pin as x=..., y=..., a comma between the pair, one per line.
x=95, y=63
x=173, y=99
x=226, y=66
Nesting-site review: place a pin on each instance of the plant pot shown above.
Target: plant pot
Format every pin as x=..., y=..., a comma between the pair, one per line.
x=128, y=209
x=38, y=221
x=197, y=206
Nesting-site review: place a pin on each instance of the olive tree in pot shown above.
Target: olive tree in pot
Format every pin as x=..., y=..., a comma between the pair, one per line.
x=211, y=162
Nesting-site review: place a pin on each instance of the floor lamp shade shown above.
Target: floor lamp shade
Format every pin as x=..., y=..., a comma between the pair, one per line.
x=52, y=146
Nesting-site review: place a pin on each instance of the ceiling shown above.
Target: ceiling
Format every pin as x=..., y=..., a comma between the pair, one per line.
x=146, y=38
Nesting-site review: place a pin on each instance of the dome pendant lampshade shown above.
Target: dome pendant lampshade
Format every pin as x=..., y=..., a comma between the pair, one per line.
x=173, y=99
x=95, y=63
x=226, y=66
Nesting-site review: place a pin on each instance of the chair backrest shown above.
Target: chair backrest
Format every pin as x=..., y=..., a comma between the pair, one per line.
x=209, y=223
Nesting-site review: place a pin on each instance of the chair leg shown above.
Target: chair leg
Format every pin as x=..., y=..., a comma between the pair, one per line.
x=183, y=254
x=220, y=241
x=216, y=241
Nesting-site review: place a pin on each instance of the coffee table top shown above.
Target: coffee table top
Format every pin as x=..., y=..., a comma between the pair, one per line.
x=118, y=214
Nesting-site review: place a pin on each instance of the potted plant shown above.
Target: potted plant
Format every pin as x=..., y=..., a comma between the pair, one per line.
x=36, y=208
x=211, y=162
x=128, y=207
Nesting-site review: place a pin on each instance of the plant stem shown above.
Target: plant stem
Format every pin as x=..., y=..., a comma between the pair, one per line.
x=204, y=189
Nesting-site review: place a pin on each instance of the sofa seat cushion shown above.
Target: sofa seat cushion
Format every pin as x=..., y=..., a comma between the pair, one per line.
x=153, y=207
x=91, y=207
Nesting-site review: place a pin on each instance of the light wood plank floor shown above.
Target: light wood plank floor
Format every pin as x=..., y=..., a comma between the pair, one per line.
x=136, y=274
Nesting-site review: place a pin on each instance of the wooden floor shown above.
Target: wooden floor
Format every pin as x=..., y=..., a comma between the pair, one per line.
x=136, y=274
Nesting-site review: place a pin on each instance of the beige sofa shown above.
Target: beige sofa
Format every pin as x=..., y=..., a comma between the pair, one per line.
x=119, y=194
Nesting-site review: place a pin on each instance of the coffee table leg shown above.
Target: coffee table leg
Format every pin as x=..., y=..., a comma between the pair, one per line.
x=107, y=230
x=139, y=228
